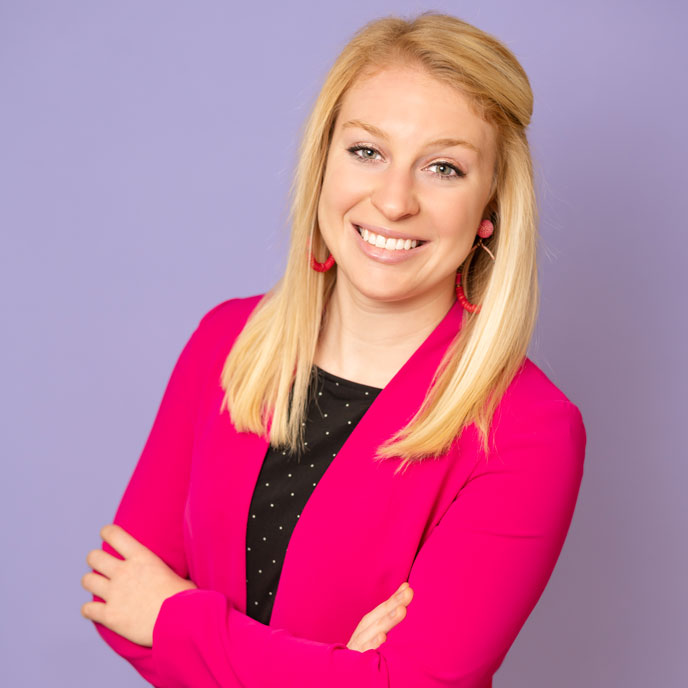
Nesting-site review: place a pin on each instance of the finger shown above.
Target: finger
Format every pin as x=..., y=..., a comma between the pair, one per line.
x=372, y=631
x=374, y=642
x=379, y=618
x=372, y=622
x=95, y=583
x=385, y=606
x=124, y=543
x=103, y=562
x=369, y=625
x=95, y=611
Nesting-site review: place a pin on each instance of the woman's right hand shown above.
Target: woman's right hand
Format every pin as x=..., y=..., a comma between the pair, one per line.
x=372, y=631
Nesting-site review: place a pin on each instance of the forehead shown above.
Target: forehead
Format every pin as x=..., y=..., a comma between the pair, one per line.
x=408, y=103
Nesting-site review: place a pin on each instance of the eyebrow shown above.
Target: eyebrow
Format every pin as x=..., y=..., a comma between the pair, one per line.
x=376, y=131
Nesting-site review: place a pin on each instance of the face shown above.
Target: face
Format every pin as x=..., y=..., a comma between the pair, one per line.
x=387, y=174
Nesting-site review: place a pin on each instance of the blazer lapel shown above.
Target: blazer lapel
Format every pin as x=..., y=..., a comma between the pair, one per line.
x=354, y=509
x=328, y=549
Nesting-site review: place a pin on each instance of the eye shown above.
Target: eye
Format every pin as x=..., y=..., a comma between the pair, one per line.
x=457, y=172
x=366, y=149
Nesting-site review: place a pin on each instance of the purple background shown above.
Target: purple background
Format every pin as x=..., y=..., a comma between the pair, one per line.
x=147, y=150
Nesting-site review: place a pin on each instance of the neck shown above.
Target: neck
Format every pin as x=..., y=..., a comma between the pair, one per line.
x=368, y=340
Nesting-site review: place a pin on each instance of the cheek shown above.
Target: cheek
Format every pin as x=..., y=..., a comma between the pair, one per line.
x=343, y=186
x=456, y=224
x=451, y=216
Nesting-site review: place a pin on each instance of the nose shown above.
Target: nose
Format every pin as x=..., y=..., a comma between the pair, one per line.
x=395, y=194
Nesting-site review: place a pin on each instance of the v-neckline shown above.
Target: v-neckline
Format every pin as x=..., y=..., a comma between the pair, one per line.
x=405, y=391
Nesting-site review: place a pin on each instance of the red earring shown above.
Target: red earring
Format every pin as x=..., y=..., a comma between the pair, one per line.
x=461, y=296
x=485, y=230
x=322, y=267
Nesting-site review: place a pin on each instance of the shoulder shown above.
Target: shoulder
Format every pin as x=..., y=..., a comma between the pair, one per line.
x=218, y=327
x=229, y=316
x=537, y=425
x=531, y=389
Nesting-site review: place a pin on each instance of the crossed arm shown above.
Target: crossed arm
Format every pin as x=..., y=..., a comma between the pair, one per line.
x=475, y=580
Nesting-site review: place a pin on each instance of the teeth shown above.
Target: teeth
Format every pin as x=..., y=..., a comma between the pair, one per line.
x=383, y=242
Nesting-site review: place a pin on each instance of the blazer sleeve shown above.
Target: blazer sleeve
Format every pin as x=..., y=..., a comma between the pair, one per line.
x=151, y=508
x=476, y=579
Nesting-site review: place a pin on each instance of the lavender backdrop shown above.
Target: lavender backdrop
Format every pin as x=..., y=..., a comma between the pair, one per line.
x=146, y=153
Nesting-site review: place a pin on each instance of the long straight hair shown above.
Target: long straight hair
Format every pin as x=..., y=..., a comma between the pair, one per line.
x=267, y=373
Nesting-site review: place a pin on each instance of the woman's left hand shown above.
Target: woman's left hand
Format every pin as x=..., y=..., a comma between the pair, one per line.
x=133, y=588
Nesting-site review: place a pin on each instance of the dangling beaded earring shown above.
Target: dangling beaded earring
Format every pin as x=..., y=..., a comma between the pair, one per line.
x=322, y=267
x=461, y=296
x=485, y=230
x=319, y=267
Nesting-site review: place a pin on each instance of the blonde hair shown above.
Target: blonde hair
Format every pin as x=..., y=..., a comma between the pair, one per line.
x=269, y=368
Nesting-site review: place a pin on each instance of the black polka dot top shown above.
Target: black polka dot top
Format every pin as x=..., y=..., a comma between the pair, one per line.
x=286, y=481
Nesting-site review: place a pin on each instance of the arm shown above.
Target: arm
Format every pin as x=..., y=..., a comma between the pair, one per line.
x=475, y=580
x=151, y=509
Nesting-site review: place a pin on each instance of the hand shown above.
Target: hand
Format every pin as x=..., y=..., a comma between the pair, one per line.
x=372, y=631
x=133, y=588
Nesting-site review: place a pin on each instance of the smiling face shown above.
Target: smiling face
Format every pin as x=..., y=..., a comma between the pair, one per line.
x=385, y=175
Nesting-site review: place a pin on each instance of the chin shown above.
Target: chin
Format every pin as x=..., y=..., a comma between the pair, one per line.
x=382, y=290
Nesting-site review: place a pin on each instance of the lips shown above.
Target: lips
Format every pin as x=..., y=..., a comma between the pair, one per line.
x=387, y=233
x=404, y=249
x=387, y=243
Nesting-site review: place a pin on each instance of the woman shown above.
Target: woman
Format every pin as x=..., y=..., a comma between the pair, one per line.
x=364, y=412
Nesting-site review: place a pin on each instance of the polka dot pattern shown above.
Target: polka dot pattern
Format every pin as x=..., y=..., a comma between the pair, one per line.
x=287, y=480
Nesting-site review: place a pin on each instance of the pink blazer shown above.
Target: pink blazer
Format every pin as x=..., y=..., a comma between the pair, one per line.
x=477, y=540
